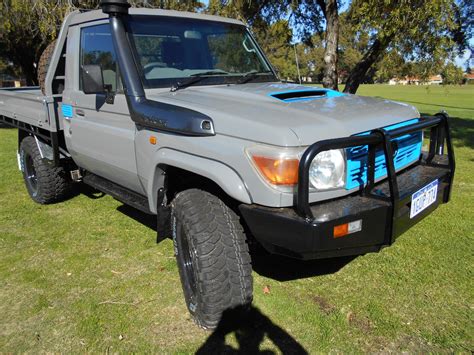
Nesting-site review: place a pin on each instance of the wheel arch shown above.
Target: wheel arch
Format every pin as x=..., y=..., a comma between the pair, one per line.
x=22, y=134
x=172, y=167
x=45, y=148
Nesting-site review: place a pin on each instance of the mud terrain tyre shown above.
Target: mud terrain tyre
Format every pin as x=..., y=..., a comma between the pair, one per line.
x=44, y=182
x=43, y=65
x=212, y=255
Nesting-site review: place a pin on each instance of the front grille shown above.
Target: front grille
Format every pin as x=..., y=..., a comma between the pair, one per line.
x=408, y=152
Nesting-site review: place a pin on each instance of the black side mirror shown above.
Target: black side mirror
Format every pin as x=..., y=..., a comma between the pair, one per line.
x=93, y=82
x=92, y=79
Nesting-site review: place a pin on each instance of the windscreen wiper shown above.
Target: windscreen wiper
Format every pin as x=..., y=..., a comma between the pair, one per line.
x=251, y=75
x=194, y=79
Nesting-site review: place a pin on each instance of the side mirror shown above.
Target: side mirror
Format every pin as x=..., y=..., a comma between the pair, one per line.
x=92, y=79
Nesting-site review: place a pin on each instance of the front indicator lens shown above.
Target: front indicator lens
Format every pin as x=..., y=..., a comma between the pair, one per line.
x=327, y=171
x=278, y=171
x=348, y=228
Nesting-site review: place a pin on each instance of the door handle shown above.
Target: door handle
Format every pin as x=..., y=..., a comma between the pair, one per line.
x=80, y=112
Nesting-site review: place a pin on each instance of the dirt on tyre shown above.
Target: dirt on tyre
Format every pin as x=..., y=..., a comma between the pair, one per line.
x=45, y=183
x=43, y=65
x=212, y=255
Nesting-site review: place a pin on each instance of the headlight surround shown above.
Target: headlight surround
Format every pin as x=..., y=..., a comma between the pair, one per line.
x=279, y=167
x=328, y=170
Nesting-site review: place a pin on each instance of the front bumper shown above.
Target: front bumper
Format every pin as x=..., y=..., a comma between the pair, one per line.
x=306, y=232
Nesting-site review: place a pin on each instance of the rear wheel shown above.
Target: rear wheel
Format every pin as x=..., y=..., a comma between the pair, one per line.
x=212, y=256
x=45, y=183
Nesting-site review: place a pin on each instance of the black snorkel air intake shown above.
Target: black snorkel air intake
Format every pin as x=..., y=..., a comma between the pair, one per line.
x=144, y=112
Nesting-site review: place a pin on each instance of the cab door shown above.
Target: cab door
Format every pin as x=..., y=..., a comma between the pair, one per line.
x=99, y=135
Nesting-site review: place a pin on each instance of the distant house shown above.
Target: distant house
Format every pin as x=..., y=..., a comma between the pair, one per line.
x=414, y=80
x=407, y=80
x=435, y=80
x=469, y=78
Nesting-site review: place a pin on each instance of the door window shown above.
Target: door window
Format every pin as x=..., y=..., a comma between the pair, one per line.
x=97, y=48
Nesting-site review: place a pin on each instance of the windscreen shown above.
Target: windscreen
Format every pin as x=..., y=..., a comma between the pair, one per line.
x=170, y=48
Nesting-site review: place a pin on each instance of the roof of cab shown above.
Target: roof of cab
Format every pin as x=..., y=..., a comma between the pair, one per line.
x=94, y=15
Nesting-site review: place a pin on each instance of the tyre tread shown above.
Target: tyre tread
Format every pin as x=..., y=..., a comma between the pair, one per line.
x=224, y=268
x=53, y=184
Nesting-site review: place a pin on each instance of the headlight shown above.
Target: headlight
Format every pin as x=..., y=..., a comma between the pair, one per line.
x=279, y=167
x=327, y=171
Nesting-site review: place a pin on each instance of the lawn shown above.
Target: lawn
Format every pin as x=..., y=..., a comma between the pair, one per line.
x=87, y=275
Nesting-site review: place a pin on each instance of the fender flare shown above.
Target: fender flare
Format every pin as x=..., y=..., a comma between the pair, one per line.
x=223, y=175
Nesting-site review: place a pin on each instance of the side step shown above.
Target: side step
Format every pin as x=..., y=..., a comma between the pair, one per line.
x=118, y=192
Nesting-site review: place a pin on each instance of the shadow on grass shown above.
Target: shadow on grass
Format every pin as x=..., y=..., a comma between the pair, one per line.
x=272, y=266
x=462, y=131
x=281, y=268
x=143, y=218
x=149, y=221
x=250, y=327
x=88, y=191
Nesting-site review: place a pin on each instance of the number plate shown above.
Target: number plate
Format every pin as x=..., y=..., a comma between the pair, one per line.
x=423, y=198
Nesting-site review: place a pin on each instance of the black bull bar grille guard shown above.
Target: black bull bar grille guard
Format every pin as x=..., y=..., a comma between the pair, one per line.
x=380, y=138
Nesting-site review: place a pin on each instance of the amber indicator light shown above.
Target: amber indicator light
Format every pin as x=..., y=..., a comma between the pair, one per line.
x=341, y=230
x=347, y=228
x=278, y=171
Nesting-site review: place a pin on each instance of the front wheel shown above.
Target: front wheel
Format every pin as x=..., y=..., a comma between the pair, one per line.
x=212, y=256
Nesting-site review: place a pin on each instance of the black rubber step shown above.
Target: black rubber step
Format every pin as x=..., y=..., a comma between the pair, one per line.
x=118, y=192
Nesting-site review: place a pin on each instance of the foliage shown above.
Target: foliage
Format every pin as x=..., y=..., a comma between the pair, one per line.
x=420, y=30
x=271, y=30
x=452, y=74
x=377, y=39
x=28, y=26
x=188, y=5
x=275, y=40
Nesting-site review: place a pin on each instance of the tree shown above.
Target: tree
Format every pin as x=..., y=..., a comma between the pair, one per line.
x=273, y=33
x=305, y=16
x=422, y=30
x=276, y=43
x=330, y=11
x=308, y=16
x=309, y=57
x=452, y=74
x=28, y=26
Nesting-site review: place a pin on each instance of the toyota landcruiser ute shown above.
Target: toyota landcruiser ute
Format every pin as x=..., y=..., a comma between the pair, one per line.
x=181, y=115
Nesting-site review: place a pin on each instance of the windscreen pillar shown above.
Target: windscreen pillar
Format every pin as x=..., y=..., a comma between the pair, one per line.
x=148, y=113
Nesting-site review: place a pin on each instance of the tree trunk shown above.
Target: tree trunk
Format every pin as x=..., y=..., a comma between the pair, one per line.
x=329, y=8
x=358, y=73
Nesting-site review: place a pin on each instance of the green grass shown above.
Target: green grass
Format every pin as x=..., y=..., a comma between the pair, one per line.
x=84, y=275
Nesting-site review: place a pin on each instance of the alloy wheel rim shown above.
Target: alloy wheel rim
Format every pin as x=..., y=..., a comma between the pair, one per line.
x=30, y=174
x=188, y=266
